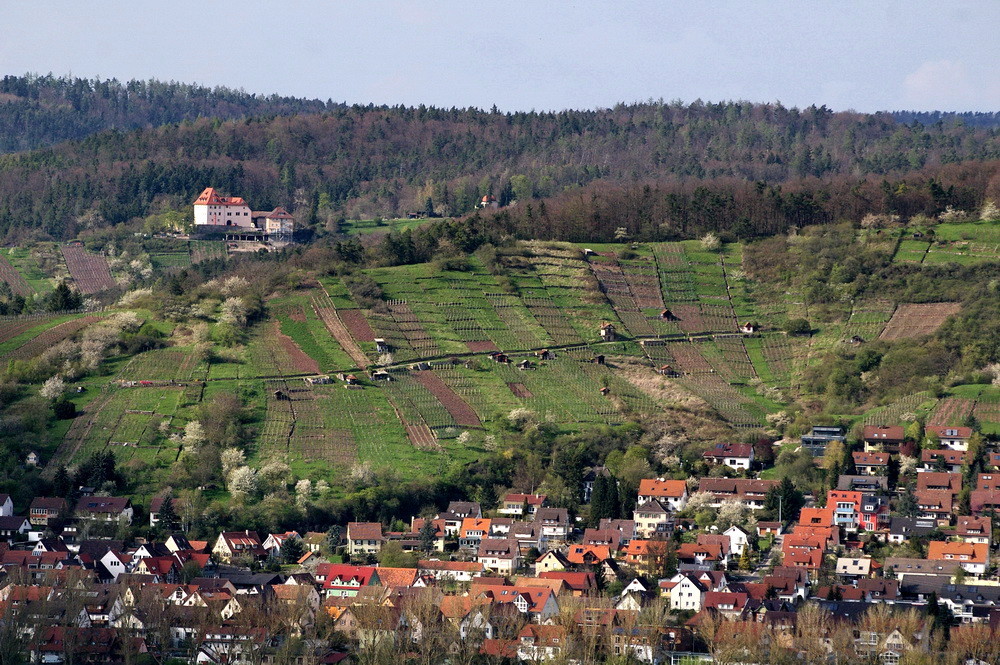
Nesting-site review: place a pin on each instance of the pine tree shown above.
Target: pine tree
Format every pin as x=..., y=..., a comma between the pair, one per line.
x=745, y=562
x=428, y=535
x=292, y=549
x=168, y=514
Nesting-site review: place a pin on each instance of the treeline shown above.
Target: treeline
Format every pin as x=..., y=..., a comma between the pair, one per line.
x=364, y=161
x=38, y=111
x=737, y=209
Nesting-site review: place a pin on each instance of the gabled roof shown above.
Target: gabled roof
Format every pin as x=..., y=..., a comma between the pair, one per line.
x=730, y=450
x=870, y=459
x=211, y=197
x=974, y=526
x=364, y=531
x=939, y=480
x=949, y=456
x=339, y=575
x=112, y=505
x=816, y=516
x=50, y=503
x=474, y=524
x=890, y=434
x=397, y=577
x=530, y=499
x=940, y=550
x=949, y=431
x=658, y=487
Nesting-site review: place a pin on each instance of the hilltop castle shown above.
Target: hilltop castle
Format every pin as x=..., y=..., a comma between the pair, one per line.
x=212, y=210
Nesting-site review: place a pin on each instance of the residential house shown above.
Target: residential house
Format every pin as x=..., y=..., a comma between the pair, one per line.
x=473, y=530
x=846, y=508
x=105, y=509
x=936, y=504
x=988, y=482
x=871, y=464
x=499, y=556
x=454, y=571
x=820, y=437
x=952, y=438
x=870, y=484
x=6, y=506
x=974, y=557
x=902, y=529
x=943, y=460
x=652, y=518
x=976, y=530
x=345, y=581
x=233, y=545
x=685, y=592
x=12, y=526
x=873, y=513
x=554, y=522
x=44, y=509
x=272, y=544
x=522, y=505
x=538, y=603
x=751, y=493
x=854, y=566
x=671, y=494
x=364, y=538
x=739, y=539
x=984, y=502
x=737, y=456
x=537, y=643
x=883, y=438
x=937, y=480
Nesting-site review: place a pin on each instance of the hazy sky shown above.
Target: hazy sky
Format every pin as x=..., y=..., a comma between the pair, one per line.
x=867, y=55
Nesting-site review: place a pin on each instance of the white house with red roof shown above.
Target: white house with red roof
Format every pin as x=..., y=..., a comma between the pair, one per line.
x=952, y=438
x=734, y=455
x=210, y=209
x=516, y=503
x=672, y=494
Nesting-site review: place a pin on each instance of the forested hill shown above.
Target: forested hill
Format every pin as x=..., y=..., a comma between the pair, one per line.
x=365, y=161
x=38, y=111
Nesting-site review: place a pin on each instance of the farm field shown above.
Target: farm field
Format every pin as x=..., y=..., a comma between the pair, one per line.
x=916, y=320
x=353, y=227
x=89, y=271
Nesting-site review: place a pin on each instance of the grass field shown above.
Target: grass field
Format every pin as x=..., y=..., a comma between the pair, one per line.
x=353, y=227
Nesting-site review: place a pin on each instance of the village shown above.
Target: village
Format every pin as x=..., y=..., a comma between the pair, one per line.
x=702, y=565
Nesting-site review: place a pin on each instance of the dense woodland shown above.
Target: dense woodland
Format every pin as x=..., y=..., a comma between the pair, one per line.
x=356, y=161
x=37, y=111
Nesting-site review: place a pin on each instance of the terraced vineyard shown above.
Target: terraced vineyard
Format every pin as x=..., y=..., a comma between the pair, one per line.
x=464, y=348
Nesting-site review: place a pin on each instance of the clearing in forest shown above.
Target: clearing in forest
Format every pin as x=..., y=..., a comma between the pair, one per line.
x=915, y=320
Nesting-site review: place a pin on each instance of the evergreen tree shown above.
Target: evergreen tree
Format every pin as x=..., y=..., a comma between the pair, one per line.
x=292, y=550
x=428, y=535
x=168, y=515
x=787, y=497
x=62, y=484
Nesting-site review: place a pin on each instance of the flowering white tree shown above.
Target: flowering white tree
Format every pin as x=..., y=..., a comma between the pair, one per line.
x=274, y=475
x=303, y=491
x=699, y=501
x=710, y=242
x=242, y=482
x=194, y=434
x=234, y=311
x=53, y=388
x=990, y=212
x=232, y=458
x=731, y=512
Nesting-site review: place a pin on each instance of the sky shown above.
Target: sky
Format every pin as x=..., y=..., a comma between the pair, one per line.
x=549, y=55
